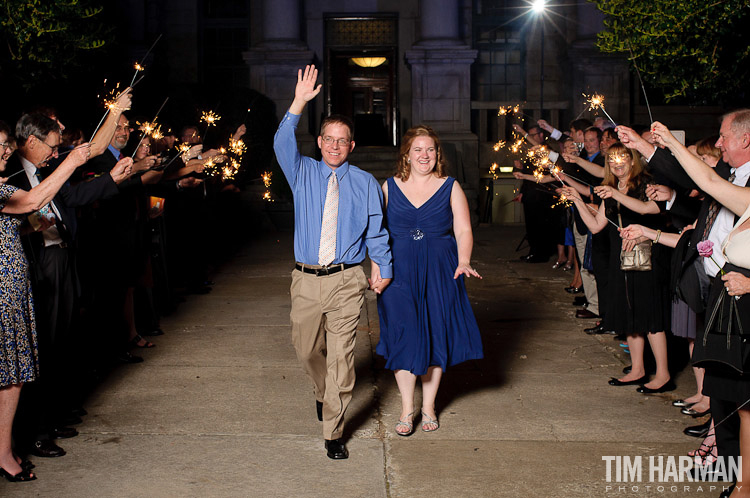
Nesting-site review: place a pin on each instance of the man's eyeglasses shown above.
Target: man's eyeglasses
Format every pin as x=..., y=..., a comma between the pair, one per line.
x=343, y=142
x=52, y=148
x=4, y=145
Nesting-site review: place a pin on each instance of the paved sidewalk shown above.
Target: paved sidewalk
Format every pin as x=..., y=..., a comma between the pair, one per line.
x=221, y=408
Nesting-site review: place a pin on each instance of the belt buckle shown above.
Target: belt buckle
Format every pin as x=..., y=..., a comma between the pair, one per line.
x=321, y=271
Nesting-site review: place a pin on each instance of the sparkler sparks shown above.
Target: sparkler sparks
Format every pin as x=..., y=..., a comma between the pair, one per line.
x=499, y=145
x=266, y=176
x=237, y=147
x=596, y=101
x=493, y=171
x=210, y=118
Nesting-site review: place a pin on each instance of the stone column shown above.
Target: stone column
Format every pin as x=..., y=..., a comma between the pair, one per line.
x=439, y=22
x=274, y=62
x=441, y=88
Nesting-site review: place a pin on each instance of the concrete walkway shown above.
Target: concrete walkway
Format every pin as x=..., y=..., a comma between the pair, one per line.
x=221, y=408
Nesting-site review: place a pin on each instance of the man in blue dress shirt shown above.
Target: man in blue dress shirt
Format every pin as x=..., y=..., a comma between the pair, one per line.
x=338, y=213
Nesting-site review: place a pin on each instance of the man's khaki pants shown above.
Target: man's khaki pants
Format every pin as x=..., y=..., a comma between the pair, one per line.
x=325, y=313
x=587, y=277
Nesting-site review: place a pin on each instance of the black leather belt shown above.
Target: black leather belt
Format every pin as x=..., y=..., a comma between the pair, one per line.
x=327, y=270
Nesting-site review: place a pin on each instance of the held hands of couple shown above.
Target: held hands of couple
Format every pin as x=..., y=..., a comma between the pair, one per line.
x=377, y=283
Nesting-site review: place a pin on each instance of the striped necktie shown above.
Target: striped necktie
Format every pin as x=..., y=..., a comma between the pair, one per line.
x=327, y=249
x=713, y=211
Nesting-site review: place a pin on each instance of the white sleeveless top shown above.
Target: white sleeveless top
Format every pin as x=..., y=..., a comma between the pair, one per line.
x=736, y=247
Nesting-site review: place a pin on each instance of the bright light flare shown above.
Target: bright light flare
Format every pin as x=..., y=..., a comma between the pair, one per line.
x=538, y=6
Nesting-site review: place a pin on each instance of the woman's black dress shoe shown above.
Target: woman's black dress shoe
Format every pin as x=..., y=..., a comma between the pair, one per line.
x=698, y=430
x=23, y=476
x=667, y=386
x=614, y=382
x=573, y=290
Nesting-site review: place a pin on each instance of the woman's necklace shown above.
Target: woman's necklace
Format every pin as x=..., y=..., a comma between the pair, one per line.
x=620, y=186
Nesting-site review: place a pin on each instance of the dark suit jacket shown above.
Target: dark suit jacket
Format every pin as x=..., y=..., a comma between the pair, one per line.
x=667, y=165
x=67, y=199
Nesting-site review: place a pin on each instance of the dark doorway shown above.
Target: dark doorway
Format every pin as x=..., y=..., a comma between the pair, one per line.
x=362, y=84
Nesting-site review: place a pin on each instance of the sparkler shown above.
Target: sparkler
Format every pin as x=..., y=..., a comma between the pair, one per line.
x=512, y=109
x=237, y=147
x=210, y=118
x=493, y=171
x=152, y=123
x=267, y=182
x=643, y=87
x=59, y=155
x=138, y=66
x=596, y=101
x=110, y=104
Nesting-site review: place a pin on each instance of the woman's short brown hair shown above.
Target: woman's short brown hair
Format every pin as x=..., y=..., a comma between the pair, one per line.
x=403, y=168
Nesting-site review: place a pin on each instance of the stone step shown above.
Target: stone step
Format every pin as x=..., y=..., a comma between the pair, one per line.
x=378, y=161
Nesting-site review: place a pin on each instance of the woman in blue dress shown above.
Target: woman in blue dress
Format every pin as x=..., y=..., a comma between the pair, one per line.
x=426, y=320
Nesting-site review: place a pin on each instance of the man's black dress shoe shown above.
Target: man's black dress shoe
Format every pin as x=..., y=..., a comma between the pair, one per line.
x=579, y=301
x=46, y=448
x=336, y=449
x=319, y=409
x=698, y=430
x=63, y=433
x=128, y=357
x=614, y=382
x=524, y=258
x=574, y=290
x=153, y=333
x=667, y=386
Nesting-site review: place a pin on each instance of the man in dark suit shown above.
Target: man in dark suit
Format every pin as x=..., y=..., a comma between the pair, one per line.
x=49, y=246
x=714, y=225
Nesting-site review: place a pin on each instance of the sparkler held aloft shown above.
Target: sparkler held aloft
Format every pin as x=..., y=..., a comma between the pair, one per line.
x=115, y=105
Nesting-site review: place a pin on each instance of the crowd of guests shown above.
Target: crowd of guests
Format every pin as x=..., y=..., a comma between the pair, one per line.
x=642, y=204
x=98, y=240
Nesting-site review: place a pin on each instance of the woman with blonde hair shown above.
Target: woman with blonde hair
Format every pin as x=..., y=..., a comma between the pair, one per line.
x=638, y=303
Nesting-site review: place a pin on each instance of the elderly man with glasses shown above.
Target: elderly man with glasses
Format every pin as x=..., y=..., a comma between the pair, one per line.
x=49, y=247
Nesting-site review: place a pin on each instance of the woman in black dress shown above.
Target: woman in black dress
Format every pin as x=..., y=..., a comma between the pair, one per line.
x=638, y=301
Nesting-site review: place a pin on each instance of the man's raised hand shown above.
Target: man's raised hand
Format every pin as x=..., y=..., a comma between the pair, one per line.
x=306, y=89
